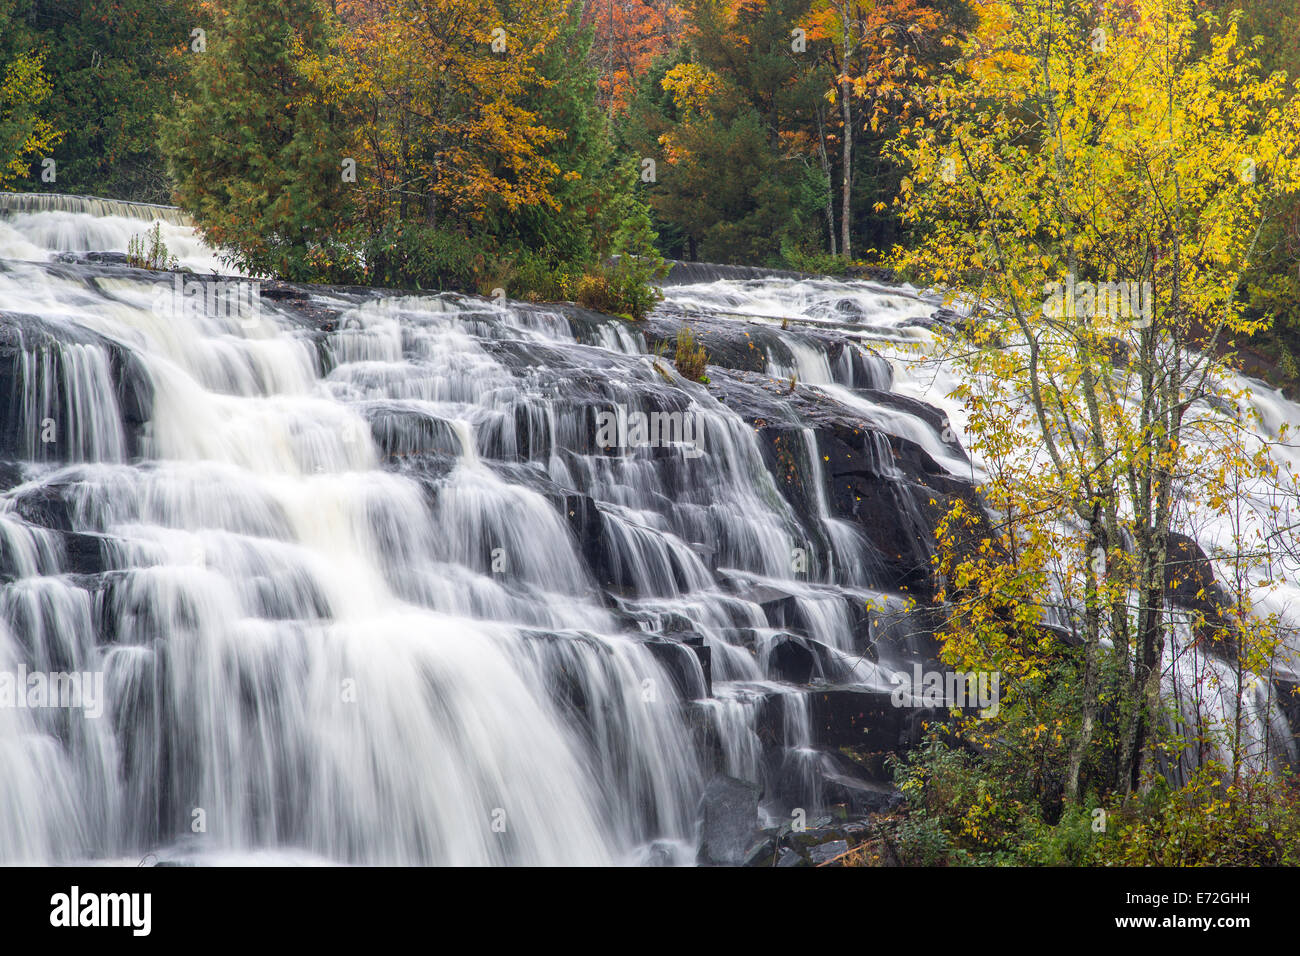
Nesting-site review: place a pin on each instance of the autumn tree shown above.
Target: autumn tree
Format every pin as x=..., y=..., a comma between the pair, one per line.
x=880, y=52
x=418, y=143
x=1095, y=181
x=730, y=124
x=26, y=130
x=1274, y=283
x=628, y=36
x=25, y=134
x=435, y=91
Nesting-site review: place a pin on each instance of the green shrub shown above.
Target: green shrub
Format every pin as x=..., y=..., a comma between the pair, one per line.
x=536, y=279
x=691, y=358
x=1255, y=822
x=406, y=256
x=594, y=292
x=402, y=255
x=623, y=288
x=961, y=810
x=813, y=261
x=632, y=279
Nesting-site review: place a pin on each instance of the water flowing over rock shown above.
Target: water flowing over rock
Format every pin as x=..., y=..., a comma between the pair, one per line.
x=11, y=203
x=364, y=584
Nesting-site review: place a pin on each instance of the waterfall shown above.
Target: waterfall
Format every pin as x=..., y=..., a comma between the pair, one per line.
x=361, y=582
x=34, y=225
x=11, y=203
x=899, y=323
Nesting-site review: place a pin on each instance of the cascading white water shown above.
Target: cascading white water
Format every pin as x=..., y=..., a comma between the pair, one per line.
x=364, y=589
x=288, y=659
x=33, y=225
x=338, y=613
x=1208, y=693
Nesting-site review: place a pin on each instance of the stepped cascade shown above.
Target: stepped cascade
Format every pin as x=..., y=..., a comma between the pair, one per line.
x=385, y=578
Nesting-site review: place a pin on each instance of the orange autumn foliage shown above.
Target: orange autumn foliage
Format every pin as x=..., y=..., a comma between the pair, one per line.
x=629, y=34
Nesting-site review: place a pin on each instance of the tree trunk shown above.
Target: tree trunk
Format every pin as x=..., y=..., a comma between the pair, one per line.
x=846, y=213
x=1150, y=703
x=846, y=111
x=1092, y=645
x=830, y=181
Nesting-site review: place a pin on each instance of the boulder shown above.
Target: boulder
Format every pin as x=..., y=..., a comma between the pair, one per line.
x=826, y=852
x=799, y=660
x=866, y=719
x=730, y=819
x=11, y=474
x=684, y=666
x=763, y=852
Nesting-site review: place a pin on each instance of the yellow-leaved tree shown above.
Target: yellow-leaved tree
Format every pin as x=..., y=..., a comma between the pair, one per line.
x=1091, y=180
x=875, y=50
x=435, y=93
x=24, y=133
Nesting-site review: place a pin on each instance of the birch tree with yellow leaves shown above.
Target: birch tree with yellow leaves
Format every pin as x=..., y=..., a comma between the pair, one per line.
x=1091, y=180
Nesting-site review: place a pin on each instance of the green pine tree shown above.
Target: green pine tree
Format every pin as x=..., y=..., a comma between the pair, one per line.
x=258, y=160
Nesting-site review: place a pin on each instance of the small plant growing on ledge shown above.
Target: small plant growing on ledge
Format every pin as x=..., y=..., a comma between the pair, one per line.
x=691, y=358
x=149, y=251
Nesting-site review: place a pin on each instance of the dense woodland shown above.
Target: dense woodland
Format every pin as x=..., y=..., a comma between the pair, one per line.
x=528, y=161
x=560, y=149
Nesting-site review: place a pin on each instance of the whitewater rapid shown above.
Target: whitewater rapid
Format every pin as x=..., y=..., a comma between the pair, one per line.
x=339, y=582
